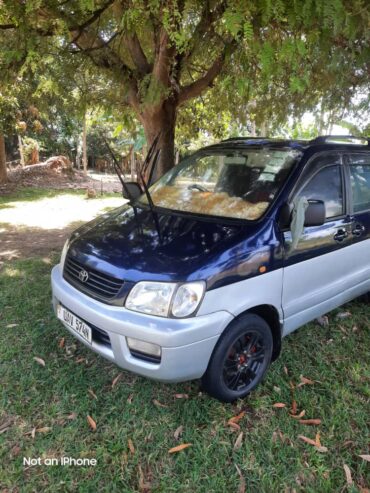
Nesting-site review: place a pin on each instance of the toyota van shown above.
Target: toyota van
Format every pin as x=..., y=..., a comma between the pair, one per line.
x=237, y=246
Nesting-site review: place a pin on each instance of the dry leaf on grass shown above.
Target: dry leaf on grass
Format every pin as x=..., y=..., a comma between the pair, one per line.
x=323, y=321
x=178, y=432
x=38, y=360
x=91, y=422
x=79, y=360
x=179, y=448
x=129, y=398
x=238, y=441
x=235, y=426
x=11, y=326
x=158, y=404
x=308, y=440
x=44, y=429
x=305, y=381
x=294, y=407
x=131, y=446
x=279, y=405
x=348, y=474
x=286, y=371
x=72, y=416
x=235, y=420
x=62, y=342
x=33, y=432
x=298, y=416
x=311, y=422
x=181, y=396
x=365, y=457
x=115, y=380
x=92, y=393
x=316, y=443
x=342, y=315
x=242, y=485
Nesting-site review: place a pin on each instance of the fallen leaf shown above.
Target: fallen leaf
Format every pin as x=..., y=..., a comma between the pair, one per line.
x=62, y=342
x=323, y=321
x=238, y=441
x=15, y=450
x=129, y=398
x=294, y=407
x=115, y=380
x=277, y=389
x=291, y=385
x=310, y=421
x=279, y=405
x=11, y=326
x=286, y=370
x=181, y=396
x=354, y=328
x=92, y=393
x=317, y=439
x=72, y=416
x=5, y=425
x=242, y=480
x=342, y=315
x=298, y=416
x=158, y=404
x=40, y=361
x=236, y=419
x=91, y=422
x=305, y=381
x=308, y=440
x=348, y=474
x=131, y=446
x=363, y=490
x=178, y=432
x=179, y=448
x=44, y=429
x=234, y=425
x=365, y=457
x=33, y=432
x=80, y=360
x=145, y=486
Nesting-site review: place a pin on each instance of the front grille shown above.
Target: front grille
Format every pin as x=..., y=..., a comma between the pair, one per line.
x=97, y=285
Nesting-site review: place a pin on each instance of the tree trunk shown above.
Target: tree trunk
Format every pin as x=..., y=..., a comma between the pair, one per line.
x=3, y=170
x=132, y=164
x=21, y=152
x=162, y=120
x=84, y=145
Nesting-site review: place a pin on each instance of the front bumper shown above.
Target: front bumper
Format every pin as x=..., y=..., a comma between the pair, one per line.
x=187, y=344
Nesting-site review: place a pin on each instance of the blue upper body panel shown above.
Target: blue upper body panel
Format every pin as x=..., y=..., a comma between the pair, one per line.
x=183, y=247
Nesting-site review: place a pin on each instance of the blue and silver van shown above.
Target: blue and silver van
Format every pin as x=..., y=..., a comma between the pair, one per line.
x=234, y=248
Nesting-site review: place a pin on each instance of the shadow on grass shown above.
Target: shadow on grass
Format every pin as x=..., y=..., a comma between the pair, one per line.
x=25, y=242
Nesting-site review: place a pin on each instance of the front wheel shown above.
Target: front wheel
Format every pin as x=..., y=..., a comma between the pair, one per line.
x=240, y=359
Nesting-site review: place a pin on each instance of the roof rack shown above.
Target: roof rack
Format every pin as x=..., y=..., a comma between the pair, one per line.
x=246, y=138
x=341, y=139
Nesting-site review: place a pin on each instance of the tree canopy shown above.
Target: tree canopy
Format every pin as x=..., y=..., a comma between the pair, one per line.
x=263, y=60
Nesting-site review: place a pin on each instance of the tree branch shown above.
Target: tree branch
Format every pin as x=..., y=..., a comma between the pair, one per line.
x=164, y=53
x=198, y=86
x=137, y=54
x=97, y=13
x=7, y=26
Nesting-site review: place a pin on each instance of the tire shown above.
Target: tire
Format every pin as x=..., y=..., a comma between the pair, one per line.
x=240, y=359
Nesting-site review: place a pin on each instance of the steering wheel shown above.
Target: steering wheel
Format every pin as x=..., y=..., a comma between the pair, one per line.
x=195, y=186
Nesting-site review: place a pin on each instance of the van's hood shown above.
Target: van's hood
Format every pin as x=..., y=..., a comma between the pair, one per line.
x=178, y=248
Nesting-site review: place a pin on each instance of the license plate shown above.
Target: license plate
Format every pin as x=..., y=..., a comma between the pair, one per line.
x=74, y=323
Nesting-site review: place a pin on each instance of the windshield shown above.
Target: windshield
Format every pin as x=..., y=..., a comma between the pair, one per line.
x=235, y=183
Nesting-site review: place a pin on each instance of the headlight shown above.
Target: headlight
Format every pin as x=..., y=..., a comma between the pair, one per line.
x=151, y=297
x=165, y=298
x=187, y=299
x=64, y=253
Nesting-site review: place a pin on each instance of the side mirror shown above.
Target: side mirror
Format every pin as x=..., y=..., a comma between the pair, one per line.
x=133, y=188
x=315, y=213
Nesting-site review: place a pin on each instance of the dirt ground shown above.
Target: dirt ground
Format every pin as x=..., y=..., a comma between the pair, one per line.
x=39, y=226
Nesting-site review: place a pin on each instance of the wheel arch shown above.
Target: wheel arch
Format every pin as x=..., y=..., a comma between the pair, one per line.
x=271, y=316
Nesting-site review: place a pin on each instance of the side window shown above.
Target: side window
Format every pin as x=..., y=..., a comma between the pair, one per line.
x=360, y=181
x=327, y=185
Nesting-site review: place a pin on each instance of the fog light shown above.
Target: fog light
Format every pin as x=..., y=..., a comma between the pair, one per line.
x=146, y=348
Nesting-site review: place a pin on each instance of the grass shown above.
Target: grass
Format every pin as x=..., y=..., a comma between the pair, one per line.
x=55, y=400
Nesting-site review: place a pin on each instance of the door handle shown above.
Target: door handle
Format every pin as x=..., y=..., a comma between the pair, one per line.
x=340, y=235
x=358, y=229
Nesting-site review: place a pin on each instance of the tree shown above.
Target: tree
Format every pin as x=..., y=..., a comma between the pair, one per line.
x=160, y=55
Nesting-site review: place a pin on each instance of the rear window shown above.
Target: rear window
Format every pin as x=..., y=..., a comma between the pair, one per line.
x=360, y=181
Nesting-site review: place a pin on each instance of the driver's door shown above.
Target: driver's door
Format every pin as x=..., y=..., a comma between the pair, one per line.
x=318, y=270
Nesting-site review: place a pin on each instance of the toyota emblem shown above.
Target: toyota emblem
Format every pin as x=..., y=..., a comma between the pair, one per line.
x=83, y=275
